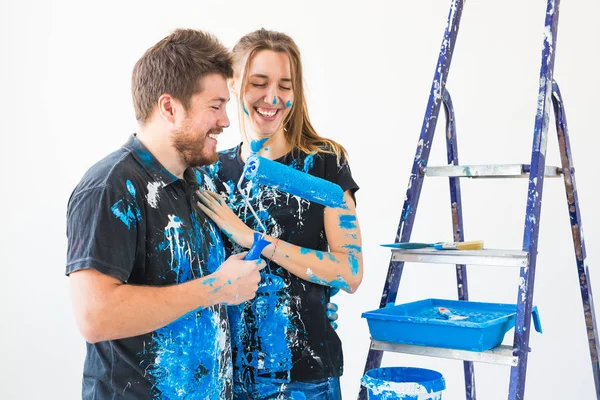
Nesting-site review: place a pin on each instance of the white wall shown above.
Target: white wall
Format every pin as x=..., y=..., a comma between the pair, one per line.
x=65, y=103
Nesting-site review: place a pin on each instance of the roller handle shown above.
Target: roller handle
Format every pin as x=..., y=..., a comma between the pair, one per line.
x=257, y=247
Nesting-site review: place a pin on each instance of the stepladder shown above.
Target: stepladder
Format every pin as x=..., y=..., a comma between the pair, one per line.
x=549, y=105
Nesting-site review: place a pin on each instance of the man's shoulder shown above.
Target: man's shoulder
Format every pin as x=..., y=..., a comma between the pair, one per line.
x=118, y=169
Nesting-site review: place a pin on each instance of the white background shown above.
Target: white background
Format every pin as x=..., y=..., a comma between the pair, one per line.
x=65, y=103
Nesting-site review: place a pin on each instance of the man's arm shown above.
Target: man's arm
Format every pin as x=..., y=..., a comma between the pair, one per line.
x=107, y=309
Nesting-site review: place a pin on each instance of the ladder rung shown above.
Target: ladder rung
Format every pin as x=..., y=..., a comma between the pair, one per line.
x=488, y=171
x=502, y=354
x=502, y=258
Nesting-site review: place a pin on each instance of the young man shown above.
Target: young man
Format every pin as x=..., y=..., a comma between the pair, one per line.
x=147, y=268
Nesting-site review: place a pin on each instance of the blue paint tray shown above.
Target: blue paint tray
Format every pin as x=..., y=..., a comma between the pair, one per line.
x=421, y=323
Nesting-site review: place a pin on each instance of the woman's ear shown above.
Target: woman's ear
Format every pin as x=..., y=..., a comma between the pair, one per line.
x=232, y=88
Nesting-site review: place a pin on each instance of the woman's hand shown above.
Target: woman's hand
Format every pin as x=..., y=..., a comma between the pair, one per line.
x=215, y=207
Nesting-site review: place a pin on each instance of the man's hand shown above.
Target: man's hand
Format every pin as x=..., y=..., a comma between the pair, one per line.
x=236, y=281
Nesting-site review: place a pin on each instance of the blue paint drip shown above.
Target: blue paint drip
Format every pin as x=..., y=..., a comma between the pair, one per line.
x=271, y=326
x=256, y=145
x=245, y=111
x=189, y=350
x=354, y=266
x=309, y=162
x=318, y=253
x=130, y=187
x=347, y=221
x=288, y=104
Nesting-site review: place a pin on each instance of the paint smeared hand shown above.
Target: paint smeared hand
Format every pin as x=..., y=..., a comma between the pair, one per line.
x=332, y=315
x=236, y=280
x=215, y=207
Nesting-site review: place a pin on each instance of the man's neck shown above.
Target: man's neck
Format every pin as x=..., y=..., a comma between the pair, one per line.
x=272, y=148
x=158, y=142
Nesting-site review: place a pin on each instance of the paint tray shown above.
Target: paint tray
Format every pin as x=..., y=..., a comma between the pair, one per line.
x=420, y=323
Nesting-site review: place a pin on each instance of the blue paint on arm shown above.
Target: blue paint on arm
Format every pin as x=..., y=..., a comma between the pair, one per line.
x=209, y=281
x=347, y=221
x=338, y=283
x=318, y=253
x=332, y=258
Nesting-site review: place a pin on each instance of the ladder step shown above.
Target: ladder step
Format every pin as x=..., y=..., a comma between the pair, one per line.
x=489, y=171
x=501, y=258
x=502, y=355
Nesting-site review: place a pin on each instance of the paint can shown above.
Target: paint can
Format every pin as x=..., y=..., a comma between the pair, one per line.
x=403, y=383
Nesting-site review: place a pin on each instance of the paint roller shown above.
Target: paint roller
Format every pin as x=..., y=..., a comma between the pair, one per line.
x=289, y=180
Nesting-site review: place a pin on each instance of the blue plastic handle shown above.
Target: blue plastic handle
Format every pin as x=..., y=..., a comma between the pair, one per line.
x=257, y=247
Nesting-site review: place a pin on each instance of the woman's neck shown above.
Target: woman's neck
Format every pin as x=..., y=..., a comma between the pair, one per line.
x=272, y=147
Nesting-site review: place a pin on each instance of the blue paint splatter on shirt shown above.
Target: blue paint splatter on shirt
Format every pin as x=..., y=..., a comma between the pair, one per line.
x=309, y=162
x=192, y=353
x=126, y=209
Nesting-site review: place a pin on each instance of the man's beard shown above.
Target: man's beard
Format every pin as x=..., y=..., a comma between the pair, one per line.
x=190, y=146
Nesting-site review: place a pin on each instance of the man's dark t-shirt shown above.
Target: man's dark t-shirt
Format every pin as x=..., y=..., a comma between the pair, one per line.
x=131, y=219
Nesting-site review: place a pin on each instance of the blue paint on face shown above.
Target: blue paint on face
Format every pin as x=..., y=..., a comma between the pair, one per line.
x=274, y=99
x=318, y=253
x=347, y=221
x=288, y=104
x=256, y=145
x=245, y=111
x=309, y=162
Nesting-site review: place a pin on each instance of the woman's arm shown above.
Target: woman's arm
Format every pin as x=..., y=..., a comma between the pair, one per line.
x=340, y=268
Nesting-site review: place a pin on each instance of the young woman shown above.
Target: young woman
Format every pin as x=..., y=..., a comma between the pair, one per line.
x=283, y=345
